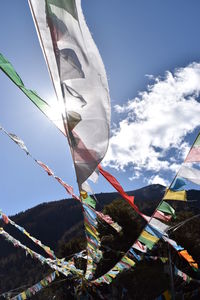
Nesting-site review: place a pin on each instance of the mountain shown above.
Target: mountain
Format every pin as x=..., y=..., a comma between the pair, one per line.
x=49, y=222
x=56, y=223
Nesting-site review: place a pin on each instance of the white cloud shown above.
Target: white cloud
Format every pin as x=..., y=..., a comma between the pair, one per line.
x=156, y=122
x=158, y=180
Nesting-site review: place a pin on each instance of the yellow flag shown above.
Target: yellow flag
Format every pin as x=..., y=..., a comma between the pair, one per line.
x=149, y=237
x=23, y=296
x=167, y=295
x=178, y=195
x=128, y=260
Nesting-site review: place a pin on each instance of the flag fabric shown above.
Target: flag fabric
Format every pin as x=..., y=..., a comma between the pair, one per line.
x=158, y=225
x=79, y=78
x=183, y=275
x=166, y=208
x=148, y=239
x=162, y=216
x=31, y=291
x=177, y=184
x=140, y=247
x=19, y=142
x=194, y=154
x=113, y=181
x=52, y=113
x=87, y=199
x=93, y=241
x=178, y=195
x=189, y=258
x=167, y=295
x=190, y=174
x=45, y=167
x=173, y=243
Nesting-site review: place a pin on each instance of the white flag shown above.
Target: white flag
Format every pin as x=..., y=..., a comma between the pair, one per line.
x=190, y=174
x=79, y=79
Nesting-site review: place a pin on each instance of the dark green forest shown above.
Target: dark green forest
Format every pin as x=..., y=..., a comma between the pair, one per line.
x=60, y=225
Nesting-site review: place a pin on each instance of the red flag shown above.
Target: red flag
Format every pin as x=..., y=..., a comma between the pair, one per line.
x=45, y=167
x=5, y=219
x=113, y=181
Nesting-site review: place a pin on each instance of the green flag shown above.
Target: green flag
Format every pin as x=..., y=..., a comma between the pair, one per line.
x=90, y=201
x=52, y=113
x=165, y=207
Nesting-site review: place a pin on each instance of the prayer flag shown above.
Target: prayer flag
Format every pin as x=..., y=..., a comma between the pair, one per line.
x=190, y=174
x=178, y=195
x=19, y=142
x=79, y=78
x=177, y=184
x=194, y=154
x=189, y=258
x=87, y=199
x=167, y=208
x=148, y=239
x=113, y=181
x=160, y=215
x=45, y=167
x=52, y=113
x=139, y=246
x=158, y=225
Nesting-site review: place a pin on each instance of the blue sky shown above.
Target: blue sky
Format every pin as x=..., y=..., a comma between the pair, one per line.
x=154, y=118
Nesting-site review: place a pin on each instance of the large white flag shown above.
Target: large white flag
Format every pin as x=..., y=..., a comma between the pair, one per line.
x=79, y=78
x=190, y=174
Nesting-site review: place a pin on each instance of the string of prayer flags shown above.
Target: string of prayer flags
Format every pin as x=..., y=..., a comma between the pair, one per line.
x=124, y=264
x=181, y=274
x=182, y=252
x=127, y=261
x=153, y=232
x=31, y=291
x=52, y=113
x=194, y=154
x=93, y=241
x=88, y=200
x=190, y=174
x=66, y=270
x=175, y=195
x=109, y=220
x=147, y=240
x=79, y=79
x=36, y=241
x=177, y=272
x=68, y=188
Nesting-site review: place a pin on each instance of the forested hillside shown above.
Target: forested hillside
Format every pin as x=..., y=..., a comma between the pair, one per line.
x=60, y=225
